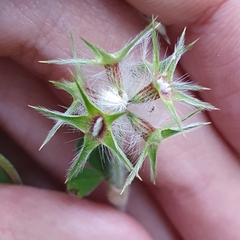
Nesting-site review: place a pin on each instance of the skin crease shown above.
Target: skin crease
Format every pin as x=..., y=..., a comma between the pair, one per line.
x=198, y=175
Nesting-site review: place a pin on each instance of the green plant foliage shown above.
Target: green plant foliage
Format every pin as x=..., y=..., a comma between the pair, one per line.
x=91, y=176
x=8, y=173
x=85, y=182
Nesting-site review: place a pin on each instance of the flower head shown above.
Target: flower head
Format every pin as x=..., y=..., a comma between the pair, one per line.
x=107, y=114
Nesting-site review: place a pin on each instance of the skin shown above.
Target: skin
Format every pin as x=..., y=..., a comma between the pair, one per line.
x=197, y=191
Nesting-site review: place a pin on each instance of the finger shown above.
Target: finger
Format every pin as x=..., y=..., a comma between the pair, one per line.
x=43, y=34
x=30, y=45
x=31, y=172
x=178, y=11
x=27, y=127
x=29, y=213
x=198, y=185
x=198, y=181
x=214, y=59
x=143, y=207
x=55, y=157
x=122, y=27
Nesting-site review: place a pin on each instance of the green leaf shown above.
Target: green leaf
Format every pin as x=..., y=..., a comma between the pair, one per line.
x=4, y=177
x=165, y=64
x=137, y=167
x=85, y=182
x=8, y=173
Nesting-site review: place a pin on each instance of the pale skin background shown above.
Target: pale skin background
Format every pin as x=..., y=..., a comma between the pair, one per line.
x=198, y=179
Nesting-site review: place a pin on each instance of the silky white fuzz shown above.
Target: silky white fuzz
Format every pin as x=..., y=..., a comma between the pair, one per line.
x=110, y=100
x=97, y=127
x=164, y=86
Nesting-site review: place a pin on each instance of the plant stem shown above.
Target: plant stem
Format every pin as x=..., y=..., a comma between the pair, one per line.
x=117, y=178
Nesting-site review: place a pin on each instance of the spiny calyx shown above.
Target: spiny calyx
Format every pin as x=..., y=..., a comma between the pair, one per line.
x=105, y=111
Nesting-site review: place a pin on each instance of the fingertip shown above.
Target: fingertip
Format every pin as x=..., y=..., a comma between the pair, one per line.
x=31, y=213
x=175, y=12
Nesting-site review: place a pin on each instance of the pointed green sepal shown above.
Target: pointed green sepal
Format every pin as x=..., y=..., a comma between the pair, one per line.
x=70, y=87
x=152, y=154
x=59, y=123
x=90, y=107
x=167, y=67
x=101, y=57
x=126, y=50
x=169, y=104
x=188, y=47
x=104, y=58
x=110, y=118
x=91, y=175
x=155, y=50
x=169, y=132
x=77, y=66
x=80, y=122
x=150, y=145
x=71, y=62
x=98, y=159
x=187, y=86
x=110, y=142
x=89, y=145
x=179, y=96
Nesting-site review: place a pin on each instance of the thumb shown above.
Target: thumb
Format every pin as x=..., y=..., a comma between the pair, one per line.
x=29, y=213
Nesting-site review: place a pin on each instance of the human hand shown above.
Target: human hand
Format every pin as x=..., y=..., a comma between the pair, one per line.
x=197, y=175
